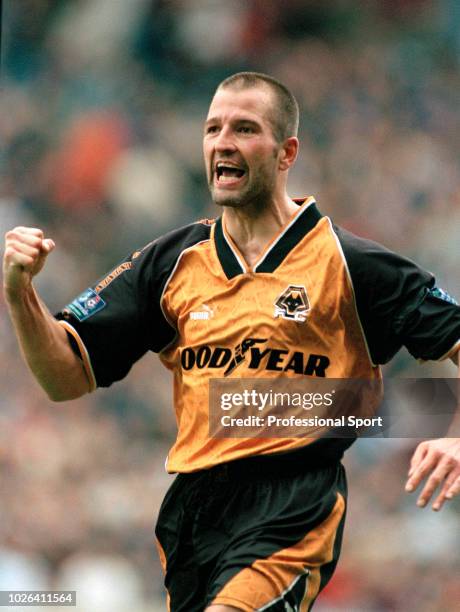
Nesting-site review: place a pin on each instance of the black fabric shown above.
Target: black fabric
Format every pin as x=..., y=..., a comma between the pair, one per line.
x=395, y=303
x=328, y=569
x=432, y=329
x=302, y=225
x=315, y=455
x=117, y=335
x=227, y=258
x=132, y=322
x=213, y=524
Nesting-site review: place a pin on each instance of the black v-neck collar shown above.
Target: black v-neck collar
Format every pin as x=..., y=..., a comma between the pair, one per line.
x=231, y=261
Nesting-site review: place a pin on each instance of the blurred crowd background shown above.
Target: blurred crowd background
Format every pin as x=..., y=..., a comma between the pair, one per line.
x=102, y=105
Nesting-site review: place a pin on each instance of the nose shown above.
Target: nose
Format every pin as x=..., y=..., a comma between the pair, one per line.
x=224, y=141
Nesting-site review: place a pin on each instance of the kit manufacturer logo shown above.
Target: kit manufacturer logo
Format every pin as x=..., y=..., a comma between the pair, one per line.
x=204, y=314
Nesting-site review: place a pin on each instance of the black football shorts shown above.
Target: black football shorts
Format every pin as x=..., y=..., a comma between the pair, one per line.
x=253, y=534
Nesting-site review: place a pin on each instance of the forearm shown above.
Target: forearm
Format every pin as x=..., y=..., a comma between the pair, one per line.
x=45, y=347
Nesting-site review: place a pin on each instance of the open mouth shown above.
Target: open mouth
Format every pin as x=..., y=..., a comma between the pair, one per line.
x=227, y=174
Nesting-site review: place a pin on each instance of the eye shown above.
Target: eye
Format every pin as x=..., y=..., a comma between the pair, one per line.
x=211, y=129
x=245, y=129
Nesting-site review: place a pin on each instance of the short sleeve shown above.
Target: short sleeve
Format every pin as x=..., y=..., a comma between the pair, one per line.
x=117, y=320
x=398, y=303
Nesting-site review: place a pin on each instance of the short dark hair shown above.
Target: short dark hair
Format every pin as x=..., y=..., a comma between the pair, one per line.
x=285, y=115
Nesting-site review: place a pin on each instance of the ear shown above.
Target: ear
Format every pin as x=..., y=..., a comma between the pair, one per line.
x=289, y=151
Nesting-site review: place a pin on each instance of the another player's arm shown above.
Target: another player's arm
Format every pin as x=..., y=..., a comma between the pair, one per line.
x=439, y=462
x=43, y=341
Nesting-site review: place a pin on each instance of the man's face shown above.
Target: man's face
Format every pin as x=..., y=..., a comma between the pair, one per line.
x=240, y=150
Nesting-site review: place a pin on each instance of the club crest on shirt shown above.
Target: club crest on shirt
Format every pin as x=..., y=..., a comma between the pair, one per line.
x=293, y=304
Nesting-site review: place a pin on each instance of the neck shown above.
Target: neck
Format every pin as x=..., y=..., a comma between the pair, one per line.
x=252, y=228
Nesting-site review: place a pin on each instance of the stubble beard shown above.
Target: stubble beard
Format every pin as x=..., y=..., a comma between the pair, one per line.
x=255, y=194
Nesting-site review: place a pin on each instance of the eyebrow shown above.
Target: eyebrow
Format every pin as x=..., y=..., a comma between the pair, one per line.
x=237, y=120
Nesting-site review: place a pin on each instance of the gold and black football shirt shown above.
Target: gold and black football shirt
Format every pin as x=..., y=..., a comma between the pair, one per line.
x=320, y=302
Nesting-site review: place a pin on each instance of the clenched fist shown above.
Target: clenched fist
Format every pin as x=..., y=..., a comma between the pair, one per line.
x=26, y=250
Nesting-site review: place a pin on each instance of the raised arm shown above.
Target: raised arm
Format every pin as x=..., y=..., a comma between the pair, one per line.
x=43, y=341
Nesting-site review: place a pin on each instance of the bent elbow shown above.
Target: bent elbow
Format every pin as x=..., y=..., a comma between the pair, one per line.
x=65, y=386
x=59, y=397
x=65, y=394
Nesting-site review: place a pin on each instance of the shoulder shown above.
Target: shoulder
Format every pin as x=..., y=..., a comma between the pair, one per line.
x=389, y=290
x=180, y=238
x=377, y=266
x=162, y=253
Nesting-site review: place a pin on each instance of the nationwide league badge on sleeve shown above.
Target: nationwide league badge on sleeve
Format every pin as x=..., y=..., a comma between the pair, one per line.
x=440, y=294
x=86, y=305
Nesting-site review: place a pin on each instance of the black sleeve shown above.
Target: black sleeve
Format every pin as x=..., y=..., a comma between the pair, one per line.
x=120, y=318
x=398, y=303
x=113, y=319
